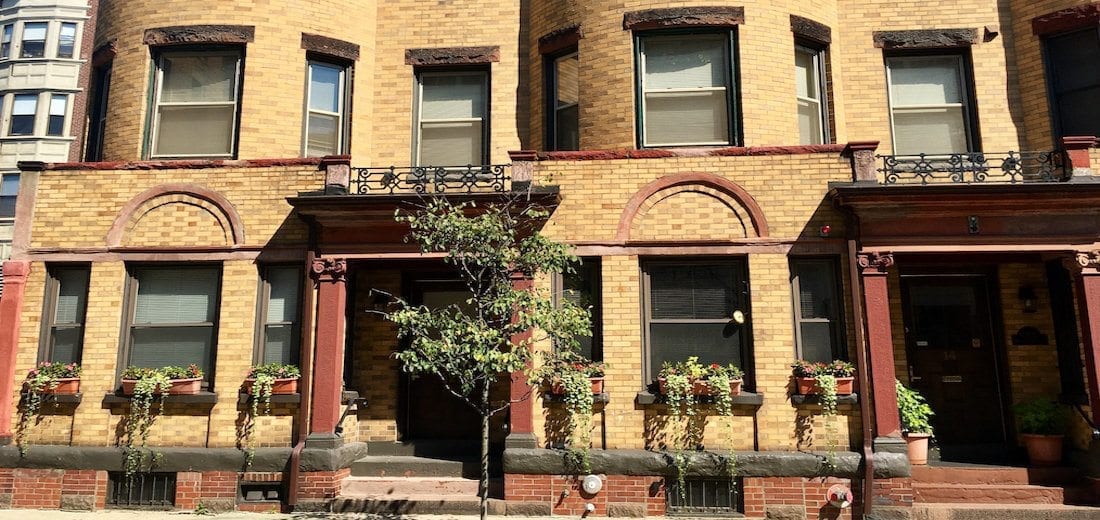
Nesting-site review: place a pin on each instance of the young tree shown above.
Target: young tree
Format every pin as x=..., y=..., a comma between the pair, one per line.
x=470, y=347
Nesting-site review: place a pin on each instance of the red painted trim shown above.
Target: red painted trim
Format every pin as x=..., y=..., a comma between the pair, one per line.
x=1088, y=298
x=661, y=153
x=1078, y=17
x=328, y=361
x=880, y=342
x=236, y=227
x=522, y=410
x=756, y=215
x=11, y=308
x=190, y=164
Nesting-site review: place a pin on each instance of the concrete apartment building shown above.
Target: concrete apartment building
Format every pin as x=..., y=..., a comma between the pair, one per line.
x=905, y=185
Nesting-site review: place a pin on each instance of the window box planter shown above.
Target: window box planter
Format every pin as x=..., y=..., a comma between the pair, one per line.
x=808, y=385
x=65, y=386
x=189, y=386
x=279, y=387
x=557, y=389
x=701, y=387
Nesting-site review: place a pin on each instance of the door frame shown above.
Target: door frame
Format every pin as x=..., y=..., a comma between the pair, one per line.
x=991, y=285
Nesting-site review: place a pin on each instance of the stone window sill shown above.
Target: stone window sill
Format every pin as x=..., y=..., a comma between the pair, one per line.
x=60, y=398
x=558, y=400
x=201, y=398
x=812, y=399
x=648, y=399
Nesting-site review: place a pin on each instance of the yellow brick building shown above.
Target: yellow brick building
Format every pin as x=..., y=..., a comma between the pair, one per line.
x=906, y=186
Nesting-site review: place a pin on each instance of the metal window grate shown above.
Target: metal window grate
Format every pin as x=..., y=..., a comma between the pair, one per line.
x=142, y=491
x=704, y=496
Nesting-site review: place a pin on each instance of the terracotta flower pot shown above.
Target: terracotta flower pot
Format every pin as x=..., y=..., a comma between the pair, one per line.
x=918, y=448
x=702, y=387
x=65, y=386
x=187, y=386
x=557, y=388
x=280, y=386
x=1043, y=450
x=808, y=385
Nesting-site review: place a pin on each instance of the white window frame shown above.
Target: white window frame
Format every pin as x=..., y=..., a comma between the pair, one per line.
x=45, y=39
x=730, y=86
x=9, y=120
x=235, y=102
x=64, y=114
x=964, y=105
x=76, y=40
x=817, y=56
x=484, y=119
x=342, y=107
x=6, y=38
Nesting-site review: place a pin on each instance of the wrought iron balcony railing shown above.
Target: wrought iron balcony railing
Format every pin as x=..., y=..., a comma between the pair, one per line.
x=974, y=167
x=429, y=179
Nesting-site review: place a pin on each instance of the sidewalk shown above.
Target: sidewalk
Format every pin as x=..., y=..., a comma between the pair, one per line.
x=34, y=514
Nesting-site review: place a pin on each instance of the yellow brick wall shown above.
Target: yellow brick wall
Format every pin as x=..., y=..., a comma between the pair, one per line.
x=178, y=220
x=374, y=369
x=274, y=67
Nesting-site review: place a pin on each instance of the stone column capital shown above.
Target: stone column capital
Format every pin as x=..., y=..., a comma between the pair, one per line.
x=875, y=262
x=329, y=270
x=1083, y=263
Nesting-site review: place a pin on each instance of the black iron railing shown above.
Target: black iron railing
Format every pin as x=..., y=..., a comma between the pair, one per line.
x=429, y=179
x=974, y=167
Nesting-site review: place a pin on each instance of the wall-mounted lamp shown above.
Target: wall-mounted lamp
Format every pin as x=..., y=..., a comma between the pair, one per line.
x=1028, y=298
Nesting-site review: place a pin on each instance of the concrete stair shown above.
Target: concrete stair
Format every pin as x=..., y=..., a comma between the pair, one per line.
x=972, y=484
x=411, y=466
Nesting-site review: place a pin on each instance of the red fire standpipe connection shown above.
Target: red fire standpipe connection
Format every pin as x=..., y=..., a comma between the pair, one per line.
x=306, y=361
x=862, y=369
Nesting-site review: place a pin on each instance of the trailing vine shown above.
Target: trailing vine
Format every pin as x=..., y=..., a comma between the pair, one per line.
x=570, y=375
x=40, y=380
x=151, y=387
x=828, y=400
x=264, y=377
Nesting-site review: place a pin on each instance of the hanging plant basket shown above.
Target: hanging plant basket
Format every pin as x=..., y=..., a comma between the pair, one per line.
x=808, y=385
x=283, y=386
x=189, y=386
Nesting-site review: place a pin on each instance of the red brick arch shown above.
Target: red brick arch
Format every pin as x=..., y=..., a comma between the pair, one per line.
x=726, y=186
x=228, y=212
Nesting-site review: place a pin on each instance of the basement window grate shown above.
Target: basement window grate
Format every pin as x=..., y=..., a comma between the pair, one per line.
x=704, y=496
x=142, y=490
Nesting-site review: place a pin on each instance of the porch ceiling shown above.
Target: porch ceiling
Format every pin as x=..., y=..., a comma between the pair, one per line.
x=974, y=217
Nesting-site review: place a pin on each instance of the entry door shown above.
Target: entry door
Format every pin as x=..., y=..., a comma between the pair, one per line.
x=953, y=356
x=431, y=411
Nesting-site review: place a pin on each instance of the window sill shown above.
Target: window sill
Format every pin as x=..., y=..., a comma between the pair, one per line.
x=294, y=398
x=558, y=401
x=59, y=398
x=811, y=399
x=201, y=398
x=37, y=138
x=744, y=400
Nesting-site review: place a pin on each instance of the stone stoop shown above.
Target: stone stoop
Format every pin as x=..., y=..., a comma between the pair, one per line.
x=999, y=511
x=398, y=484
x=998, y=485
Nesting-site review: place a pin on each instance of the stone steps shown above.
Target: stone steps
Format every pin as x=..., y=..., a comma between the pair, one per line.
x=998, y=511
x=415, y=504
x=410, y=466
x=381, y=487
x=943, y=493
x=995, y=475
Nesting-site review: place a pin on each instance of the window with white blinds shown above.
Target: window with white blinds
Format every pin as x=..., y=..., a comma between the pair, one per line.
x=196, y=104
x=928, y=104
x=33, y=44
x=326, y=107
x=686, y=89
x=173, y=317
x=809, y=71
x=691, y=310
x=279, y=334
x=452, y=124
x=817, y=309
x=66, y=301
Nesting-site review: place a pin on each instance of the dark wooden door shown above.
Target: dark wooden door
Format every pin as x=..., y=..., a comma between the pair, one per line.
x=431, y=411
x=953, y=356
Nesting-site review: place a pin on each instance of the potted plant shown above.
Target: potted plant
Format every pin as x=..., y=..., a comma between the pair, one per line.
x=915, y=414
x=48, y=378
x=1042, y=428
x=180, y=380
x=807, y=374
x=576, y=380
x=261, y=383
x=704, y=380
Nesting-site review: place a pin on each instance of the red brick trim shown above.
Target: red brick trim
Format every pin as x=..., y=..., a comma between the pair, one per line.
x=811, y=30
x=1073, y=18
x=330, y=46
x=705, y=16
x=560, y=39
x=926, y=39
x=661, y=153
x=756, y=214
x=187, y=34
x=452, y=56
x=190, y=164
x=229, y=213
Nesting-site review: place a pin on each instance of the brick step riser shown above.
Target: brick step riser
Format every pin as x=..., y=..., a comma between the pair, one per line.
x=1019, y=477
x=355, y=487
x=989, y=494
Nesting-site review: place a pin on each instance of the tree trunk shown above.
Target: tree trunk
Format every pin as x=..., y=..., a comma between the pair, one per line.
x=483, y=486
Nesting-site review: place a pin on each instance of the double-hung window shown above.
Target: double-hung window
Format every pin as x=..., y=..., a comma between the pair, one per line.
x=279, y=333
x=23, y=110
x=697, y=308
x=686, y=89
x=9, y=192
x=1073, y=79
x=66, y=40
x=809, y=69
x=452, y=118
x=33, y=44
x=55, y=123
x=326, y=109
x=172, y=316
x=66, y=302
x=5, y=41
x=195, y=112
x=563, y=102
x=929, y=104
x=583, y=288
x=818, y=309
